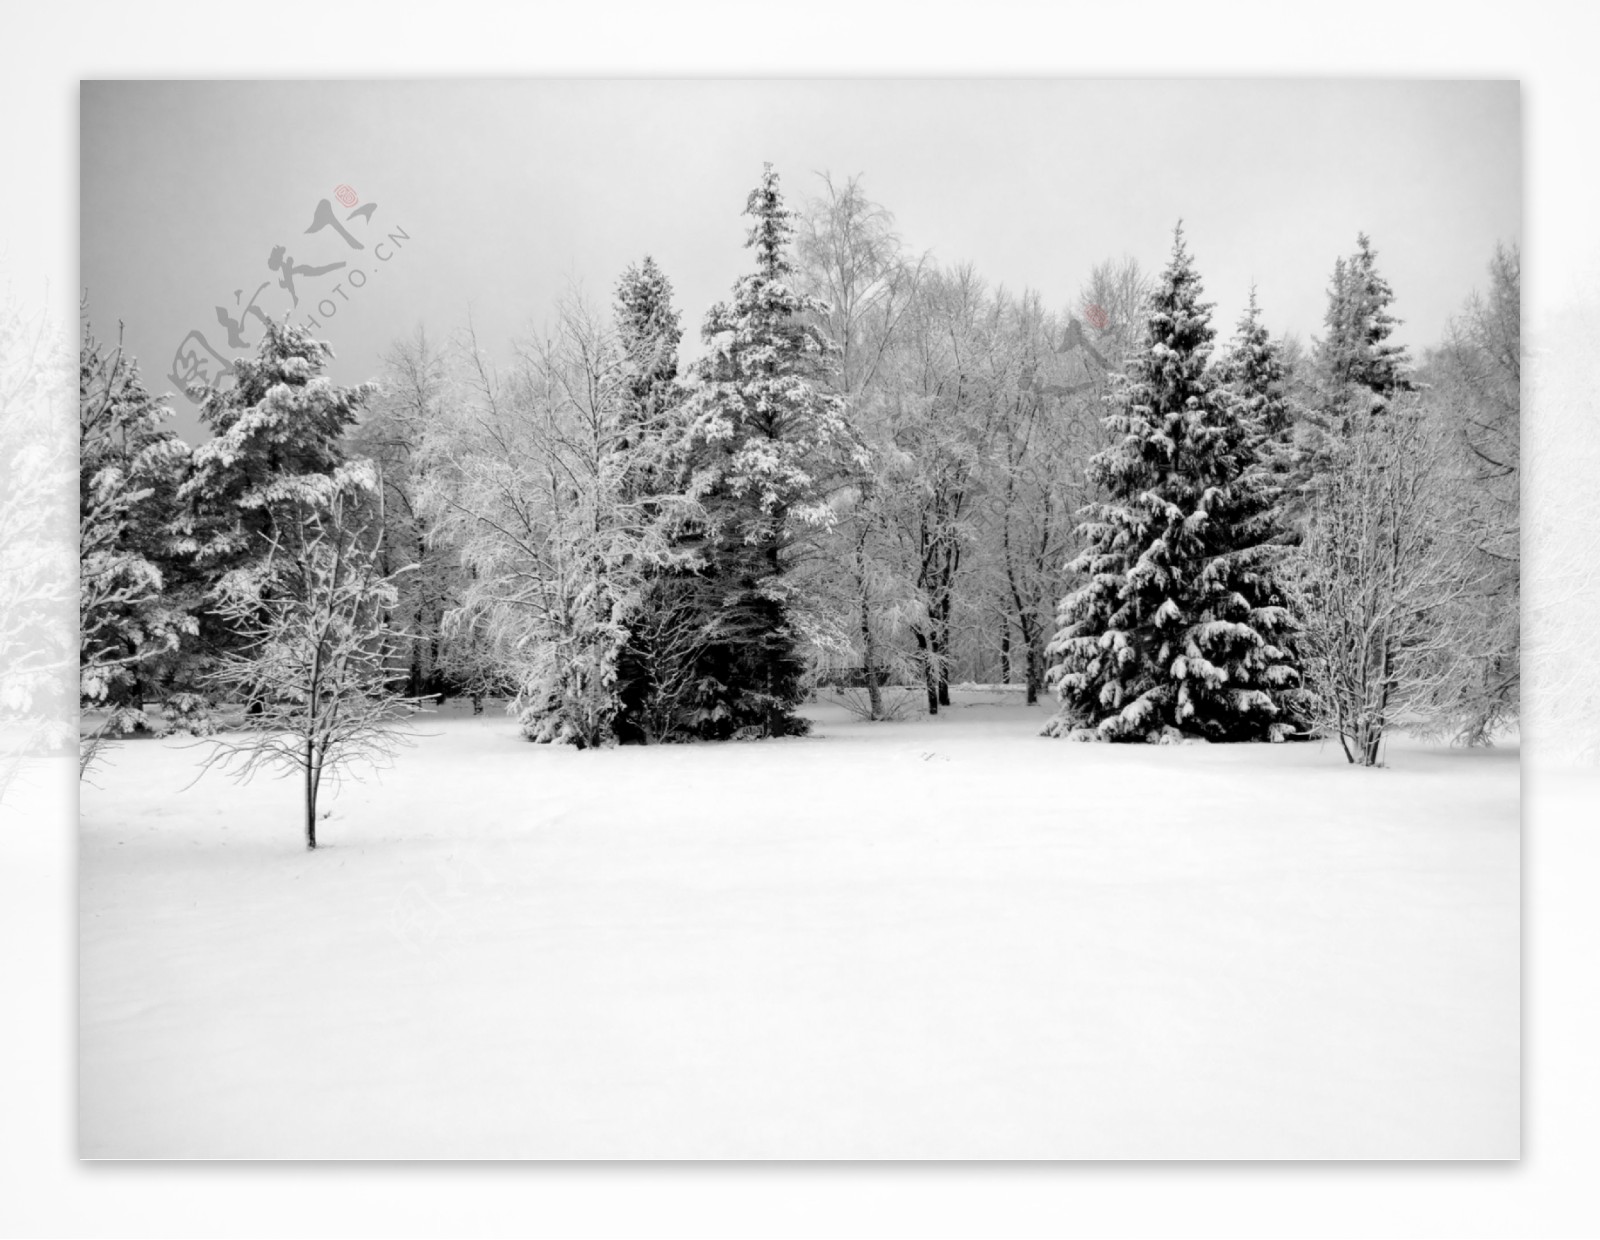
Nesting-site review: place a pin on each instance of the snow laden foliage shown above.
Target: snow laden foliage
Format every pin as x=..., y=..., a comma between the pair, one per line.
x=540, y=481
x=762, y=426
x=851, y=259
x=1360, y=368
x=130, y=466
x=649, y=330
x=313, y=657
x=36, y=551
x=656, y=668
x=416, y=384
x=276, y=453
x=1179, y=625
x=1034, y=483
x=1383, y=587
x=1253, y=371
x=1474, y=392
x=277, y=457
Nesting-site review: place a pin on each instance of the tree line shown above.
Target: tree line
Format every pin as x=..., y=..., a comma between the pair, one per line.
x=882, y=475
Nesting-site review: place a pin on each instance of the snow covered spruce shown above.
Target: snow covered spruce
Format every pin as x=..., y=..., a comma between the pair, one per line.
x=1180, y=625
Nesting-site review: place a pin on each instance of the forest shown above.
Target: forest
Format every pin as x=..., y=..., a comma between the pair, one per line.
x=882, y=476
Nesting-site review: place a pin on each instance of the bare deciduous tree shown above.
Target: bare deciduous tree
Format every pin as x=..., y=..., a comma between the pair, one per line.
x=1378, y=585
x=316, y=654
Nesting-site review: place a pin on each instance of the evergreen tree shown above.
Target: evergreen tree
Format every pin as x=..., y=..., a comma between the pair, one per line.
x=1360, y=368
x=655, y=665
x=1255, y=374
x=759, y=424
x=1179, y=625
x=129, y=467
x=648, y=331
x=276, y=456
x=1253, y=370
x=276, y=449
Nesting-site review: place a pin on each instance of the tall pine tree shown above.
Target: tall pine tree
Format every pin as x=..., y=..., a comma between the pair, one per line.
x=655, y=665
x=132, y=613
x=1254, y=373
x=277, y=446
x=1253, y=370
x=648, y=331
x=1178, y=626
x=276, y=454
x=760, y=423
x=1360, y=368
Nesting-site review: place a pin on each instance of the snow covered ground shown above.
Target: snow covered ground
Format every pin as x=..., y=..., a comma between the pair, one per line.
x=942, y=938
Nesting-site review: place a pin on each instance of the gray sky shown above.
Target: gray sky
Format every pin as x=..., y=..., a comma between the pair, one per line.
x=511, y=190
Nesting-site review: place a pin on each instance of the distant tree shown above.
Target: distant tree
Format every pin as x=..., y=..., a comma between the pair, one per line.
x=649, y=330
x=418, y=381
x=1253, y=370
x=761, y=423
x=1048, y=427
x=1179, y=623
x=1113, y=304
x=1256, y=370
x=1034, y=482
x=1474, y=391
x=314, y=651
x=1362, y=370
x=129, y=468
x=945, y=418
x=852, y=260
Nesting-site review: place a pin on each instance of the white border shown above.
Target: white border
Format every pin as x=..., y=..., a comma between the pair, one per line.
x=43, y=1191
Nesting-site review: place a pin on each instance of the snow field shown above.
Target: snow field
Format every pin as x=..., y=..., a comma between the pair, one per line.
x=939, y=938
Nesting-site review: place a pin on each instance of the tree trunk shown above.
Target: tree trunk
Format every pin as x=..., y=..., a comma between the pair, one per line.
x=869, y=660
x=1035, y=662
x=311, y=797
x=929, y=680
x=1005, y=651
x=942, y=649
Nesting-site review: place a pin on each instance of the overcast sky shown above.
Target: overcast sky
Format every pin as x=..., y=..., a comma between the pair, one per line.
x=510, y=191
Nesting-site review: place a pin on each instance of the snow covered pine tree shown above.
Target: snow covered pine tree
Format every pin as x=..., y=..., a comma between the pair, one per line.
x=129, y=468
x=276, y=455
x=655, y=668
x=1359, y=368
x=1179, y=627
x=759, y=426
